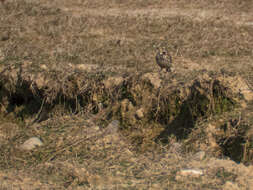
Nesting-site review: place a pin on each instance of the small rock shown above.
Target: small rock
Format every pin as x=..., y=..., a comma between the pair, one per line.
x=189, y=173
x=192, y=172
x=139, y=113
x=86, y=67
x=31, y=143
x=100, y=106
x=43, y=66
x=199, y=155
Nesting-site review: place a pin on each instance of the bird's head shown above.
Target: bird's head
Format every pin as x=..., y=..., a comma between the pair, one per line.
x=162, y=51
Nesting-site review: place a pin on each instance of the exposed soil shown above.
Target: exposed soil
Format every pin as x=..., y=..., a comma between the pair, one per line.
x=82, y=77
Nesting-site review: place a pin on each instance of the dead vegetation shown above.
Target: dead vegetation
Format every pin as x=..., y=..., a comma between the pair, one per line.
x=88, y=86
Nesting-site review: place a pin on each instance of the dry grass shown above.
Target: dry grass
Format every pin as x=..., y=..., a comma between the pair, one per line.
x=70, y=68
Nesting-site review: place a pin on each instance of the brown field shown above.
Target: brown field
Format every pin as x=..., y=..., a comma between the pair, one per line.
x=81, y=75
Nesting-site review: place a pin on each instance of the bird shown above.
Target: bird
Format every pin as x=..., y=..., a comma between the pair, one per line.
x=164, y=60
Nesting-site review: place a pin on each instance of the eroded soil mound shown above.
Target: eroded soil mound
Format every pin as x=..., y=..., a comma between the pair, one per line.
x=151, y=108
